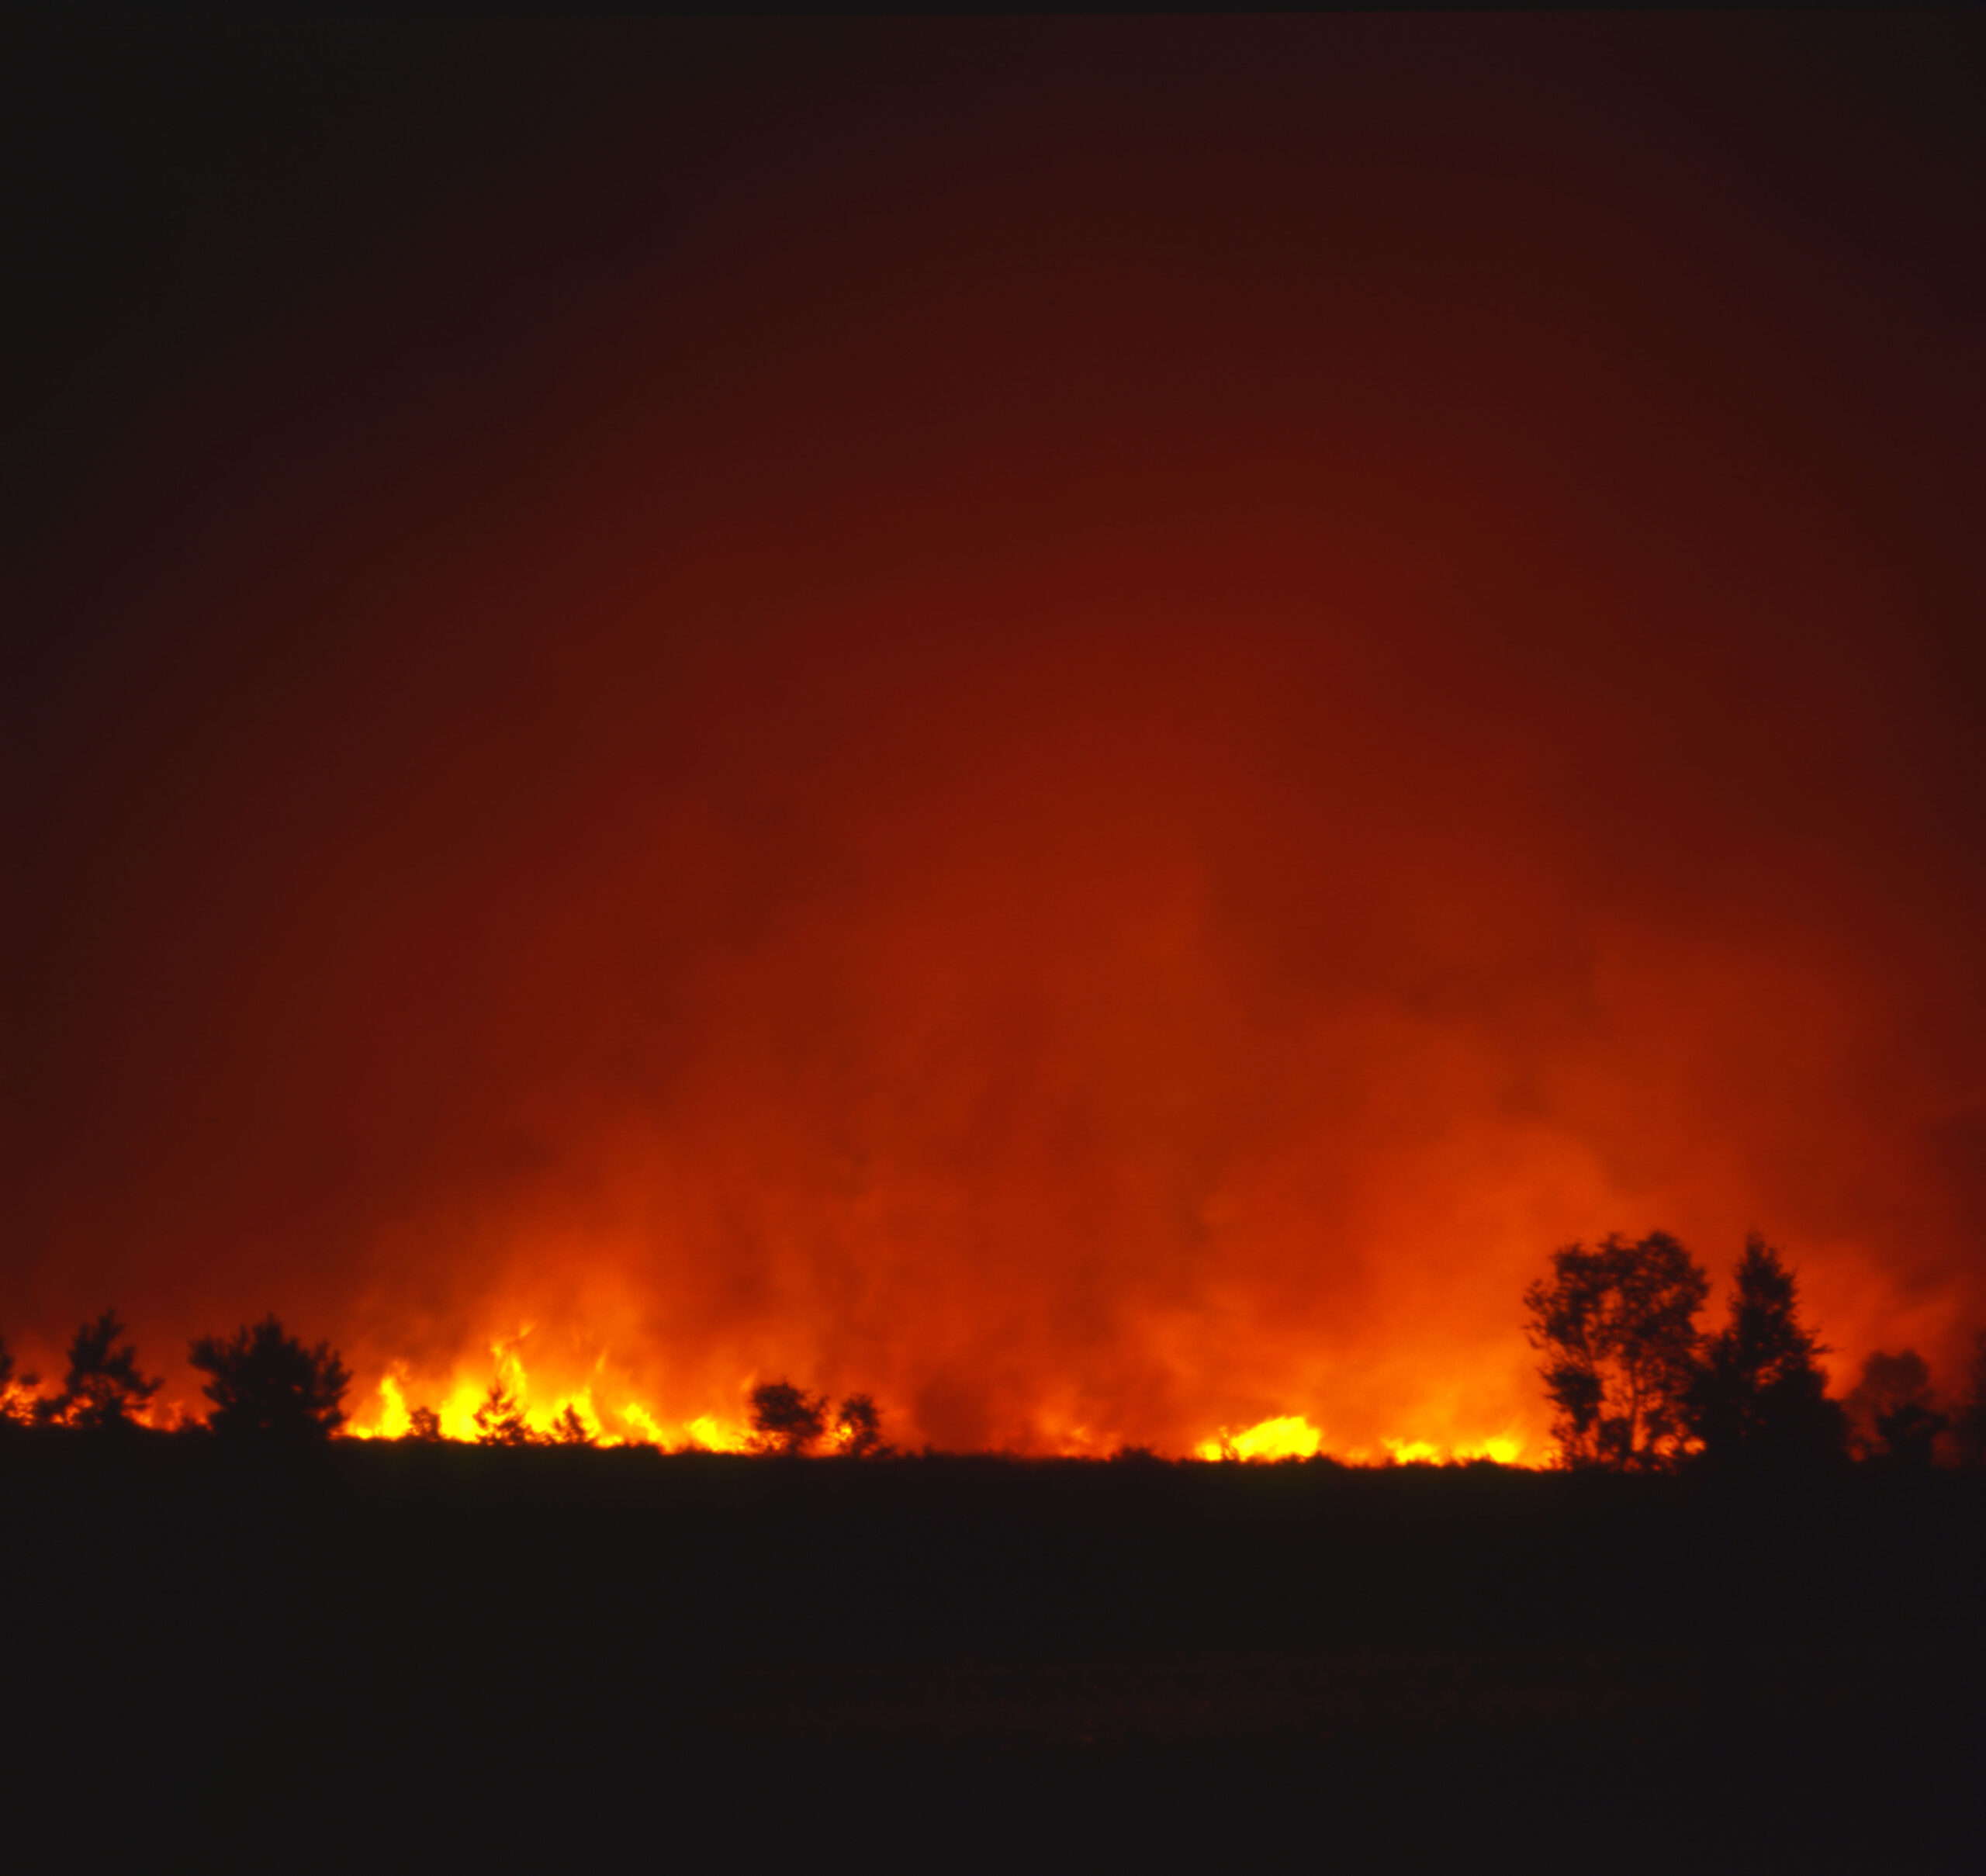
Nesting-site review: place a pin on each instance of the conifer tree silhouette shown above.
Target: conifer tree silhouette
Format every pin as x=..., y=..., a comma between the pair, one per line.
x=266, y=1384
x=569, y=1429
x=499, y=1421
x=1760, y=1396
x=423, y=1426
x=103, y=1387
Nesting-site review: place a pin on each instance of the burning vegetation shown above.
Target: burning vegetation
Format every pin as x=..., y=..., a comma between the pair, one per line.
x=1634, y=1384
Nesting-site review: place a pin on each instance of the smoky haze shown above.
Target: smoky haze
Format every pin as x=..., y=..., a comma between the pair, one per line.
x=1086, y=724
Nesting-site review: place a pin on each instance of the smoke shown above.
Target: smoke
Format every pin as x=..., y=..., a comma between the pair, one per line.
x=1087, y=727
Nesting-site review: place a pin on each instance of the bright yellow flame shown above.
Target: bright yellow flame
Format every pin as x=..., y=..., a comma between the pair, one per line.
x=458, y=1410
x=396, y=1418
x=638, y=1422
x=1289, y=1436
x=582, y=1404
x=1503, y=1448
x=708, y=1433
x=642, y=1427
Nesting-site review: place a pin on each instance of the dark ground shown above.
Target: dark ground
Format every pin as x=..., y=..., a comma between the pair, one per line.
x=437, y=1657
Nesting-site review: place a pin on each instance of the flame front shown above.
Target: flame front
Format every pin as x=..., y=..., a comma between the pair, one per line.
x=634, y=1422
x=456, y=1397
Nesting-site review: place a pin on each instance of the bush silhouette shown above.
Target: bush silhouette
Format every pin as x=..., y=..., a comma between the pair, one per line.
x=16, y=1404
x=103, y=1387
x=266, y=1384
x=1760, y=1396
x=1895, y=1418
x=785, y=1420
x=423, y=1426
x=1617, y=1327
x=859, y=1428
x=570, y=1430
x=1969, y=1417
x=499, y=1421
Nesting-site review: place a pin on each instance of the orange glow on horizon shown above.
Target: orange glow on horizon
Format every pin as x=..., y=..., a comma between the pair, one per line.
x=1087, y=739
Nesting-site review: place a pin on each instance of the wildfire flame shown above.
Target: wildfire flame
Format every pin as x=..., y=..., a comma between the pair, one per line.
x=633, y=1422
x=456, y=1399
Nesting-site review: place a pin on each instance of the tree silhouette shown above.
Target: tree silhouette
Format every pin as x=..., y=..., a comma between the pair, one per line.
x=268, y=1386
x=16, y=1404
x=499, y=1421
x=423, y=1426
x=570, y=1430
x=1895, y=1418
x=859, y=1428
x=786, y=1420
x=103, y=1387
x=1969, y=1417
x=1760, y=1396
x=1617, y=1325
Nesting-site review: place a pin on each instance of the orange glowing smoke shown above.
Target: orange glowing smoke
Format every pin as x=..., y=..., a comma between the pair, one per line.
x=1085, y=725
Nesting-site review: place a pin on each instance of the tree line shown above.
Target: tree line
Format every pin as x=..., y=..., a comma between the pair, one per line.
x=264, y=1384
x=1636, y=1386
x=260, y=1382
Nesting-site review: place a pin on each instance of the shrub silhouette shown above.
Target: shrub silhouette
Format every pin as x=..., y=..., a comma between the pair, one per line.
x=859, y=1428
x=786, y=1420
x=103, y=1387
x=423, y=1426
x=1617, y=1327
x=17, y=1403
x=1895, y=1418
x=266, y=1384
x=499, y=1421
x=1760, y=1396
x=570, y=1430
x=1969, y=1417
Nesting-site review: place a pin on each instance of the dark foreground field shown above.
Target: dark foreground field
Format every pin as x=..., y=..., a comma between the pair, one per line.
x=398, y=1656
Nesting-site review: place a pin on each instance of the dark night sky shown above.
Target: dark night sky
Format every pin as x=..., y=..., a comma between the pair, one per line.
x=1088, y=721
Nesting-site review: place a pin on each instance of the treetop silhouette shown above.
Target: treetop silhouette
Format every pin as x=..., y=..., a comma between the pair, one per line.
x=859, y=1428
x=501, y=1422
x=570, y=1428
x=1759, y=1396
x=1969, y=1415
x=266, y=1384
x=785, y=1420
x=17, y=1403
x=423, y=1426
x=1894, y=1416
x=1617, y=1325
x=102, y=1387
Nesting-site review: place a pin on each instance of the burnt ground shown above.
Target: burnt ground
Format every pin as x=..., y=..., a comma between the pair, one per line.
x=396, y=1657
